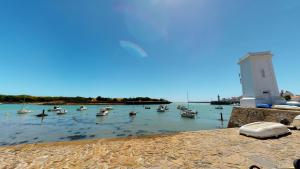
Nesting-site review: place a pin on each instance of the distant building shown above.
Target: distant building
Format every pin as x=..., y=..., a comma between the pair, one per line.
x=258, y=80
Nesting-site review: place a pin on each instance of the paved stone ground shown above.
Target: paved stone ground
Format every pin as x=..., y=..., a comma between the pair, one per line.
x=223, y=148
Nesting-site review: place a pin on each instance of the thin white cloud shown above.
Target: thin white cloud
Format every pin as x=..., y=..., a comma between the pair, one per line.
x=127, y=45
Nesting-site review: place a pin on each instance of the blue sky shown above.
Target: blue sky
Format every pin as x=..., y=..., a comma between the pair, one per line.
x=157, y=48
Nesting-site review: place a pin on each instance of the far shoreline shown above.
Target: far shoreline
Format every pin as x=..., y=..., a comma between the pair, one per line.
x=102, y=103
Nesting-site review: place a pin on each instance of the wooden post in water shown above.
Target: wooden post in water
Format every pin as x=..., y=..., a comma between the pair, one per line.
x=221, y=116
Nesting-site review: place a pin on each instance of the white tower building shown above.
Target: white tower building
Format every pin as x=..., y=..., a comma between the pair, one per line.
x=258, y=80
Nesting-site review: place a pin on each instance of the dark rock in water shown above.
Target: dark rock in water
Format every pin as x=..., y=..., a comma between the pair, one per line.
x=93, y=135
x=35, y=138
x=141, y=132
x=76, y=137
x=121, y=135
x=22, y=142
x=78, y=132
x=12, y=144
x=18, y=132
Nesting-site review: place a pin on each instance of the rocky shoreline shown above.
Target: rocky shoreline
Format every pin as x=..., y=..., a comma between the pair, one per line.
x=222, y=148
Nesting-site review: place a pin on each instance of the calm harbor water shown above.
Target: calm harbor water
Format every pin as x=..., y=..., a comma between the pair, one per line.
x=27, y=128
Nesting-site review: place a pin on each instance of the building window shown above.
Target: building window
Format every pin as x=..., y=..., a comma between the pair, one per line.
x=263, y=73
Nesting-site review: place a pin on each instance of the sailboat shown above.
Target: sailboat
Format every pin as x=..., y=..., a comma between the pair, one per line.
x=24, y=110
x=187, y=112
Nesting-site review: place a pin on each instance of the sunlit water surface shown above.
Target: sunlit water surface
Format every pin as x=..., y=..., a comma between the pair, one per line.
x=27, y=128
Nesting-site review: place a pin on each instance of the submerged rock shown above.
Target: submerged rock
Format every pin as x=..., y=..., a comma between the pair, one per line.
x=76, y=137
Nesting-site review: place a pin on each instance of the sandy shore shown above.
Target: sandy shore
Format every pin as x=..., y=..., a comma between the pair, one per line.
x=223, y=148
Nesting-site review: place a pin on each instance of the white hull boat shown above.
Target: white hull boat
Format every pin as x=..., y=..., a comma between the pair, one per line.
x=263, y=130
x=102, y=112
x=108, y=108
x=293, y=103
x=24, y=111
x=296, y=122
x=82, y=108
x=286, y=107
x=55, y=109
x=188, y=114
x=62, y=112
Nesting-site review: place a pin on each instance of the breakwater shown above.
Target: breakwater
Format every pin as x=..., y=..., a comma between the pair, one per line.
x=241, y=116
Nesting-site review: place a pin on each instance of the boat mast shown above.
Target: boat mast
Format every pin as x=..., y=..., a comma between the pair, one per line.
x=187, y=97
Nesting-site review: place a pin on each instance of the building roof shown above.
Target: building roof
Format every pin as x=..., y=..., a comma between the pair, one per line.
x=255, y=54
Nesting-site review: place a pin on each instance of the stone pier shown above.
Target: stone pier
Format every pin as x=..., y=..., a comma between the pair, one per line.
x=241, y=116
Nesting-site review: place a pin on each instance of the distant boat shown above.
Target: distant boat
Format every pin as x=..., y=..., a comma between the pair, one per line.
x=61, y=112
x=55, y=109
x=188, y=114
x=24, y=110
x=161, y=109
x=132, y=113
x=82, y=108
x=293, y=103
x=108, y=108
x=102, y=112
x=147, y=107
x=219, y=107
x=166, y=108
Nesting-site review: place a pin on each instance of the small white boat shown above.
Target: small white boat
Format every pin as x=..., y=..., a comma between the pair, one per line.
x=286, y=107
x=55, y=109
x=264, y=130
x=296, y=122
x=61, y=112
x=102, y=112
x=24, y=111
x=293, y=103
x=161, y=109
x=166, y=107
x=219, y=107
x=108, y=108
x=188, y=114
x=82, y=108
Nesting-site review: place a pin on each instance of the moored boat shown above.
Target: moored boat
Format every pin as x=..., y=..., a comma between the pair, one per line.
x=293, y=103
x=161, y=109
x=55, y=109
x=24, y=111
x=188, y=114
x=102, y=112
x=82, y=108
x=108, y=108
x=132, y=113
x=61, y=112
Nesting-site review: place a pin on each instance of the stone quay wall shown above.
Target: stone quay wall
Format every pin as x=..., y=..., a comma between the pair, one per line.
x=241, y=116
